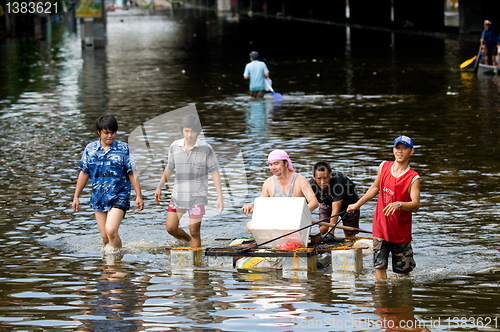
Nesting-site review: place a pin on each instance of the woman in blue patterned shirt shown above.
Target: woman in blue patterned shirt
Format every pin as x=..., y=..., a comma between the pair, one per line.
x=109, y=165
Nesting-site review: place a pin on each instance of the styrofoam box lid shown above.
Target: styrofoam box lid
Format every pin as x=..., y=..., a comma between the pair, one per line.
x=276, y=216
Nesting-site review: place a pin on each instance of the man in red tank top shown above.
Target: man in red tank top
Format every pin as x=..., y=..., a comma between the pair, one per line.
x=398, y=189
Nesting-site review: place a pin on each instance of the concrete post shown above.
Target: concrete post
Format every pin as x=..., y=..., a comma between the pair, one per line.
x=88, y=33
x=93, y=30
x=223, y=7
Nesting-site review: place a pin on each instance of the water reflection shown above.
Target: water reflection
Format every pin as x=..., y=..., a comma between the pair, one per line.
x=93, y=84
x=394, y=305
x=118, y=299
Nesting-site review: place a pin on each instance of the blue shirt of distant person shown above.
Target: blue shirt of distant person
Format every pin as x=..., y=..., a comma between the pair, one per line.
x=489, y=41
x=256, y=71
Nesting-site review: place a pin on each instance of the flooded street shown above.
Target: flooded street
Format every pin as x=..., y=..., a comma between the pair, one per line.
x=347, y=94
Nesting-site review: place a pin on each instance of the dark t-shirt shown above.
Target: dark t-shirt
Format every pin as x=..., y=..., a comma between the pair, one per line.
x=341, y=188
x=490, y=37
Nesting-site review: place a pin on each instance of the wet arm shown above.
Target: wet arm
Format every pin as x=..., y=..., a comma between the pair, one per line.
x=248, y=208
x=167, y=173
x=312, y=201
x=80, y=184
x=164, y=178
x=134, y=180
x=370, y=194
x=218, y=187
x=412, y=205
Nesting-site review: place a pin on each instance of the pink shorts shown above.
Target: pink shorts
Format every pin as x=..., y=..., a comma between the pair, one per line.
x=196, y=212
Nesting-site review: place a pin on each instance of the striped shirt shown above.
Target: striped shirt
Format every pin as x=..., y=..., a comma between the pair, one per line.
x=191, y=172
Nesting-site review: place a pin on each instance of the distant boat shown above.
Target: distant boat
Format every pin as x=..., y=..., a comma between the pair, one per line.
x=487, y=69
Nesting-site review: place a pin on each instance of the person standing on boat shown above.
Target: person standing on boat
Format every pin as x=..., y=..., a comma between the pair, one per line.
x=192, y=160
x=111, y=169
x=284, y=183
x=489, y=43
x=398, y=187
x=335, y=192
x=256, y=71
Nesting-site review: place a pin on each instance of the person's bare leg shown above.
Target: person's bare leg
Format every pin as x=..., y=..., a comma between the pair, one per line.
x=101, y=224
x=249, y=226
x=173, y=227
x=194, y=230
x=381, y=273
x=113, y=222
x=348, y=235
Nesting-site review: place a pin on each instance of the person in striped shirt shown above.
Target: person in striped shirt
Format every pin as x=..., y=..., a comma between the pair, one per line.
x=192, y=160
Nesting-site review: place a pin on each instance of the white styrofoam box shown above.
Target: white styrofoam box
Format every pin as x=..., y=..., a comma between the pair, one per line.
x=276, y=216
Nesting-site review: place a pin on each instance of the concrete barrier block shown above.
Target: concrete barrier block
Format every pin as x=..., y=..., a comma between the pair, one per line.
x=295, y=274
x=347, y=260
x=300, y=263
x=185, y=258
x=221, y=261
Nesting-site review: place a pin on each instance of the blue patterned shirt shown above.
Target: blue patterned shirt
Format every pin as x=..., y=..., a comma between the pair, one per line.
x=108, y=172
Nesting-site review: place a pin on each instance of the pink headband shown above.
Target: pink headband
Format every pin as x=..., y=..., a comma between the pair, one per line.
x=280, y=155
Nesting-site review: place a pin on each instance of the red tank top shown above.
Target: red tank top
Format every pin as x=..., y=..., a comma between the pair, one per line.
x=395, y=228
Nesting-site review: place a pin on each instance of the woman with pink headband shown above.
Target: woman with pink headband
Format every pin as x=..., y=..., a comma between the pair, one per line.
x=284, y=183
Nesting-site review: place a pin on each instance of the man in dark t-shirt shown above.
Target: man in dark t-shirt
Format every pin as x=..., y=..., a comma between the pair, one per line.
x=334, y=192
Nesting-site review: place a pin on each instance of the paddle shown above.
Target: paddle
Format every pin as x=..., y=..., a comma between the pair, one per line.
x=347, y=228
x=468, y=62
x=332, y=229
x=255, y=245
x=478, y=57
x=276, y=95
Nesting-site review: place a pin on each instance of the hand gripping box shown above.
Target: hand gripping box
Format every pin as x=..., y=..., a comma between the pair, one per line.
x=276, y=216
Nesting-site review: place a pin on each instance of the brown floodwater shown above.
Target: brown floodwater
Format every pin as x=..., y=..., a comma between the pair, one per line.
x=347, y=94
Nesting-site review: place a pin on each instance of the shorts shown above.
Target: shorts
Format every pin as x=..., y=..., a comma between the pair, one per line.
x=492, y=50
x=124, y=209
x=196, y=212
x=258, y=93
x=402, y=255
x=349, y=219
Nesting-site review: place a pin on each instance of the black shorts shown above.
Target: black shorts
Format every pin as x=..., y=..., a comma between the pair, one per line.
x=124, y=209
x=492, y=50
x=258, y=93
